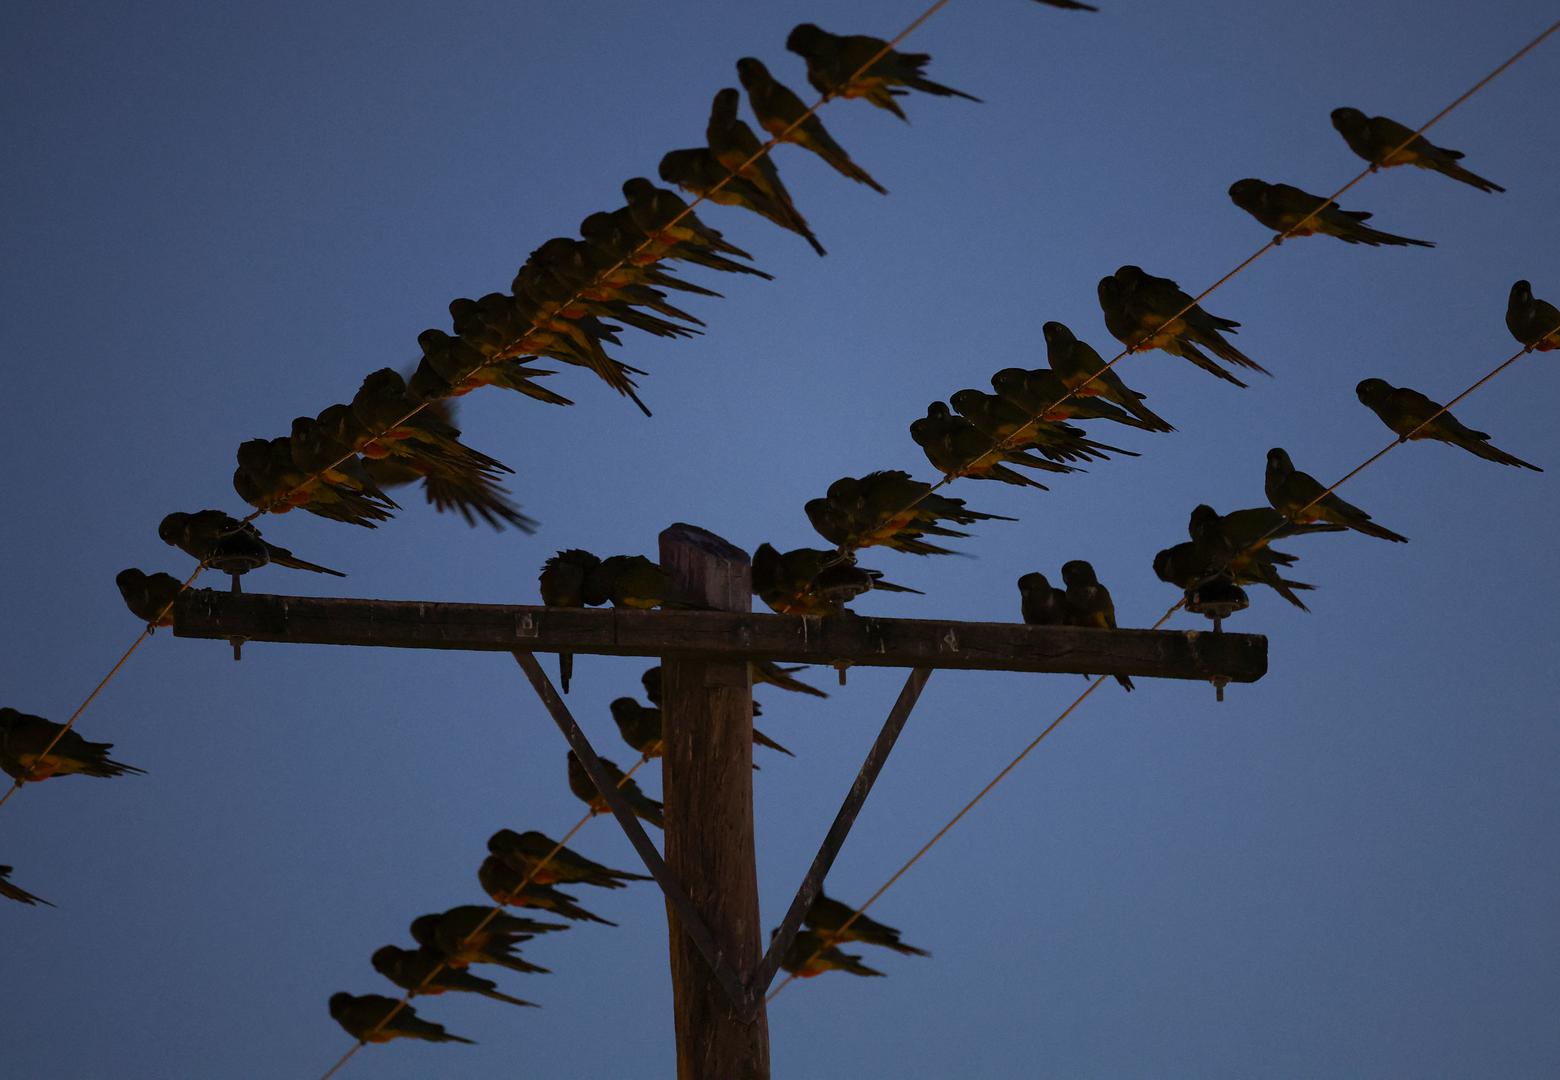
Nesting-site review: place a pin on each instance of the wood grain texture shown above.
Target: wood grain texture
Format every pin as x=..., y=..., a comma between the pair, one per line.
x=707, y=784
x=710, y=635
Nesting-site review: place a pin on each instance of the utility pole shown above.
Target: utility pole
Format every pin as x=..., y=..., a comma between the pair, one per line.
x=707, y=785
x=708, y=873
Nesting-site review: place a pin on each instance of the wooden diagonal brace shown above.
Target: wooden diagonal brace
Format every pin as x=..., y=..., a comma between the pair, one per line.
x=694, y=926
x=812, y=884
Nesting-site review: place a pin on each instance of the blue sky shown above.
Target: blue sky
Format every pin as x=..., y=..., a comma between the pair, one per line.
x=221, y=216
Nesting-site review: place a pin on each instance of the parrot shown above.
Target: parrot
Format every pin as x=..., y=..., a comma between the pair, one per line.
x=1041, y=392
x=267, y=479
x=471, y=493
x=320, y=458
x=1141, y=312
x=208, y=535
x=642, y=805
x=620, y=234
x=1299, y=497
x=1019, y=414
x=697, y=171
x=732, y=143
x=1409, y=413
x=654, y=209
x=641, y=728
x=562, y=582
x=149, y=596
x=385, y=415
x=550, y=278
x=631, y=581
x=835, y=63
x=1041, y=603
x=827, y=916
x=455, y=366
x=1535, y=323
x=652, y=685
x=958, y=448
x=761, y=671
x=599, y=277
x=453, y=934
x=526, y=851
x=614, y=242
x=1189, y=566
x=1381, y=141
x=1282, y=208
x=15, y=892
x=889, y=508
x=1237, y=545
x=509, y=887
x=810, y=955
x=1089, y=603
x=778, y=110
x=771, y=673
x=809, y=581
x=24, y=738
x=1085, y=373
x=359, y=1014
x=426, y=972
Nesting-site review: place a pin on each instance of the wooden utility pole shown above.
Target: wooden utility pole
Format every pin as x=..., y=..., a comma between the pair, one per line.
x=708, y=873
x=707, y=785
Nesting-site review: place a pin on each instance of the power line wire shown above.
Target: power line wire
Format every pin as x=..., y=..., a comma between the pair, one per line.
x=96, y=690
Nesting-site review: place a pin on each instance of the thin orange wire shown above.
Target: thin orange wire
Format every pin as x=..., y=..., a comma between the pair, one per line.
x=134, y=645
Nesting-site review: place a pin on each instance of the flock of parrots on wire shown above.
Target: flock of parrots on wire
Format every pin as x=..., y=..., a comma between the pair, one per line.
x=397, y=430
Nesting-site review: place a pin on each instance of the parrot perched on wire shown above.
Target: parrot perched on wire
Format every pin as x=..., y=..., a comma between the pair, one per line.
x=1408, y=413
x=1533, y=322
x=778, y=109
x=835, y=66
x=697, y=171
x=642, y=805
x=1377, y=139
x=455, y=936
x=1141, y=309
x=809, y=581
x=149, y=596
x=509, y=887
x=359, y=1014
x=24, y=738
x=526, y=851
x=810, y=955
x=1281, y=208
x=828, y=916
x=427, y=972
x=958, y=448
x=1083, y=371
x=208, y=534
x=1301, y=499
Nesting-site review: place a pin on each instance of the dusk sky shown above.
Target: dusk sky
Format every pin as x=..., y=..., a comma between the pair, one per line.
x=221, y=216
